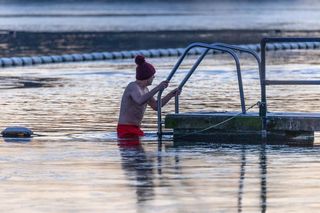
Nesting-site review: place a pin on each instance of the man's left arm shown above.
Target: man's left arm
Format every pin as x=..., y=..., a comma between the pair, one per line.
x=153, y=102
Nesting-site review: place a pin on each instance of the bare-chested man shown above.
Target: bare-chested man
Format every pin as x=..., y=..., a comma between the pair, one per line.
x=137, y=96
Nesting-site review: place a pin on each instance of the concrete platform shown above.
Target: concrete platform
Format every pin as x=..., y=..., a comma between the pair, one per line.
x=232, y=127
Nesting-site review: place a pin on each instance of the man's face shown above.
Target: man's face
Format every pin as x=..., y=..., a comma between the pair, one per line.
x=150, y=80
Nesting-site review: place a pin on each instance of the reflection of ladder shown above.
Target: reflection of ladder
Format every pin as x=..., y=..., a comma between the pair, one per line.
x=226, y=48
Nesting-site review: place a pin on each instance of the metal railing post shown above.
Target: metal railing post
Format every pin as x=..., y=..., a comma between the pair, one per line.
x=265, y=82
x=159, y=102
x=263, y=105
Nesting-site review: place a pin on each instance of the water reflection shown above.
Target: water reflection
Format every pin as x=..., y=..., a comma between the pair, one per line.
x=138, y=168
x=161, y=177
x=242, y=177
x=263, y=177
x=263, y=174
x=17, y=140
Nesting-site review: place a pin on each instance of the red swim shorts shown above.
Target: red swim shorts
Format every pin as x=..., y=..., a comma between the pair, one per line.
x=129, y=131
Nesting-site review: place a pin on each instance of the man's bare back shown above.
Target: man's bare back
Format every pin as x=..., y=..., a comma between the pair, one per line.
x=130, y=111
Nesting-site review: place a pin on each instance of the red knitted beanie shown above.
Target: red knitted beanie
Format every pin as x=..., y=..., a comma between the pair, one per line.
x=144, y=70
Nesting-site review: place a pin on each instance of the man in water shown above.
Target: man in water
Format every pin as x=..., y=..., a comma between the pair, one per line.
x=137, y=96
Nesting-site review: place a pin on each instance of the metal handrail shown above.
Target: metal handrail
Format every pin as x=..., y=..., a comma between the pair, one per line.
x=194, y=67
x=241, y=49
x=258, y=59
x=292, y=82
x=264, y=82
x=251, y=52
x=208, y=47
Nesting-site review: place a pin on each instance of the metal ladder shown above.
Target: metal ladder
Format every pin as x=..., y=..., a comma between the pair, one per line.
x=226, y=48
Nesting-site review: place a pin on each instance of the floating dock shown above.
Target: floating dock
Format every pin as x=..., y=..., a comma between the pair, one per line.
x=243, y=127
x=232, y=127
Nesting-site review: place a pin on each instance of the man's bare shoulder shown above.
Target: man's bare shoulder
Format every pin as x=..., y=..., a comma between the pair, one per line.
x=132, y=87
x=132, y=84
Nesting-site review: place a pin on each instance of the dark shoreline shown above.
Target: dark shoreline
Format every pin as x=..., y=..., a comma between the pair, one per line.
x=49, y=43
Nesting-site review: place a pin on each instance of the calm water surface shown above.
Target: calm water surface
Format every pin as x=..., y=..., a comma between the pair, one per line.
x=76, y=165
x=133, y=15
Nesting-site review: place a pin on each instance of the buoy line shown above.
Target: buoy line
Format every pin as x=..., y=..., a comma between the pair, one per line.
x=152, y=53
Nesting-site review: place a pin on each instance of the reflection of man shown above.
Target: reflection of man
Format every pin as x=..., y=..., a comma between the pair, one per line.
x=137, y=167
